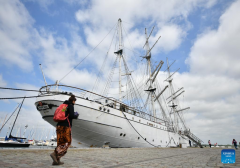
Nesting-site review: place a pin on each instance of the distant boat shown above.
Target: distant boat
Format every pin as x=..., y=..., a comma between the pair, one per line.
x=13, y=144
x=31, y=142
x=12, y=141
x=52, y=142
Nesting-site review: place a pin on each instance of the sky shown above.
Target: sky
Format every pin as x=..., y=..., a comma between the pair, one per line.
x=202, y=36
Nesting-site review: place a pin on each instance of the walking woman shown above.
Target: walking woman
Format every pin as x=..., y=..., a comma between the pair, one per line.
x=63, y=129
x=209, y=143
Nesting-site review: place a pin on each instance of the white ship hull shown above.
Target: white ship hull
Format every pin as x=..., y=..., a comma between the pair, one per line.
x=95, y=127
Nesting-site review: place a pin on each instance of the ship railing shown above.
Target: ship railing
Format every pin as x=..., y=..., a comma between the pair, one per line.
x=192, y=136
x=57, y=89
x=113, y=102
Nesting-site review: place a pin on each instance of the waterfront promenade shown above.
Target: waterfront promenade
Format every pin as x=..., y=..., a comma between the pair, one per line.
x=117, y=158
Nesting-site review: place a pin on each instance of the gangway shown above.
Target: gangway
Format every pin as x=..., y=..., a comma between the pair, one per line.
x=193, y=138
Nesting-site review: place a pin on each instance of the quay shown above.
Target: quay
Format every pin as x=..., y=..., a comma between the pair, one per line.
x=119, y=158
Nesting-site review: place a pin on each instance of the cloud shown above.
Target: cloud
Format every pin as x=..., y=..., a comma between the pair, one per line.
x=15, y=35
x=212, y=85
x=171, y=37
x=2, y=82
x=76, y=2
x=217, y=51
x=57, y=50
x=98, y=16
x=59, y=56
x=44, y=4
x=219, y=86
x=106, y=12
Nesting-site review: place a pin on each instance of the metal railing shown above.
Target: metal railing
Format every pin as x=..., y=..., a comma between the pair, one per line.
x=112, y=102
x=193, y=138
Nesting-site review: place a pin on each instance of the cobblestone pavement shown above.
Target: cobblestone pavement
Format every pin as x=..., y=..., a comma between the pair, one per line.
x=117, y=158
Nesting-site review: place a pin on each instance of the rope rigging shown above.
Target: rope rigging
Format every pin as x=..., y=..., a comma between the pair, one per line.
x=105, y=59
x=106, y=89
x=87, y=55
x=9, y=117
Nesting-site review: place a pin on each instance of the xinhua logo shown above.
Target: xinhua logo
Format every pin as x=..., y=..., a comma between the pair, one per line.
x=228, y=156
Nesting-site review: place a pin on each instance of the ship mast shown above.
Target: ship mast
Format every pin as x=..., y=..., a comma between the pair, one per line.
x=173, y=105
x=120, y=56
x=148, y=57
x=151, y=75
x=173, y=98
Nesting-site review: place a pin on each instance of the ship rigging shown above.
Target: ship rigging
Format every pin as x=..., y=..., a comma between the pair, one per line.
x=137, y=109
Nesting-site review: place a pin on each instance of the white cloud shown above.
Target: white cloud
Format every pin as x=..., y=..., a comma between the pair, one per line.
x=15, y=35
x=106, y=12
x=208, y=87
x=171, y=37
x=212, y=85
x=2, y=82
x=209, y=4
x=44, y=4
x=74, y=2
x=100, y=15
x=217, y=51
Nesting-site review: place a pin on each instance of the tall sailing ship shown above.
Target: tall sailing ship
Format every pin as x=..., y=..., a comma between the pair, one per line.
x=140, y=115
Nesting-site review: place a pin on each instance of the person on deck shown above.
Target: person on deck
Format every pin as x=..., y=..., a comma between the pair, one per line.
x=209, y=143
x=63, y=129
x=234, y=142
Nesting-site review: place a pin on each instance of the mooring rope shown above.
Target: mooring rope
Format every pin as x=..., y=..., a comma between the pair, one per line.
x=138, y=132
x=21, y=89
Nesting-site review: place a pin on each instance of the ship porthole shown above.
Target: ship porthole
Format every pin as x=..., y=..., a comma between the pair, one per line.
x=138, y=137
x=121, y=134
x=108, y=110
x=161, y=141
x=145, y=139
x=104, y=109
x=100, y=108
x=153, y=140
x=124, y=135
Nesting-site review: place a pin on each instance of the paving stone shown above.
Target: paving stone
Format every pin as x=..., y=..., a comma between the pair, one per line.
x=119, y=158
